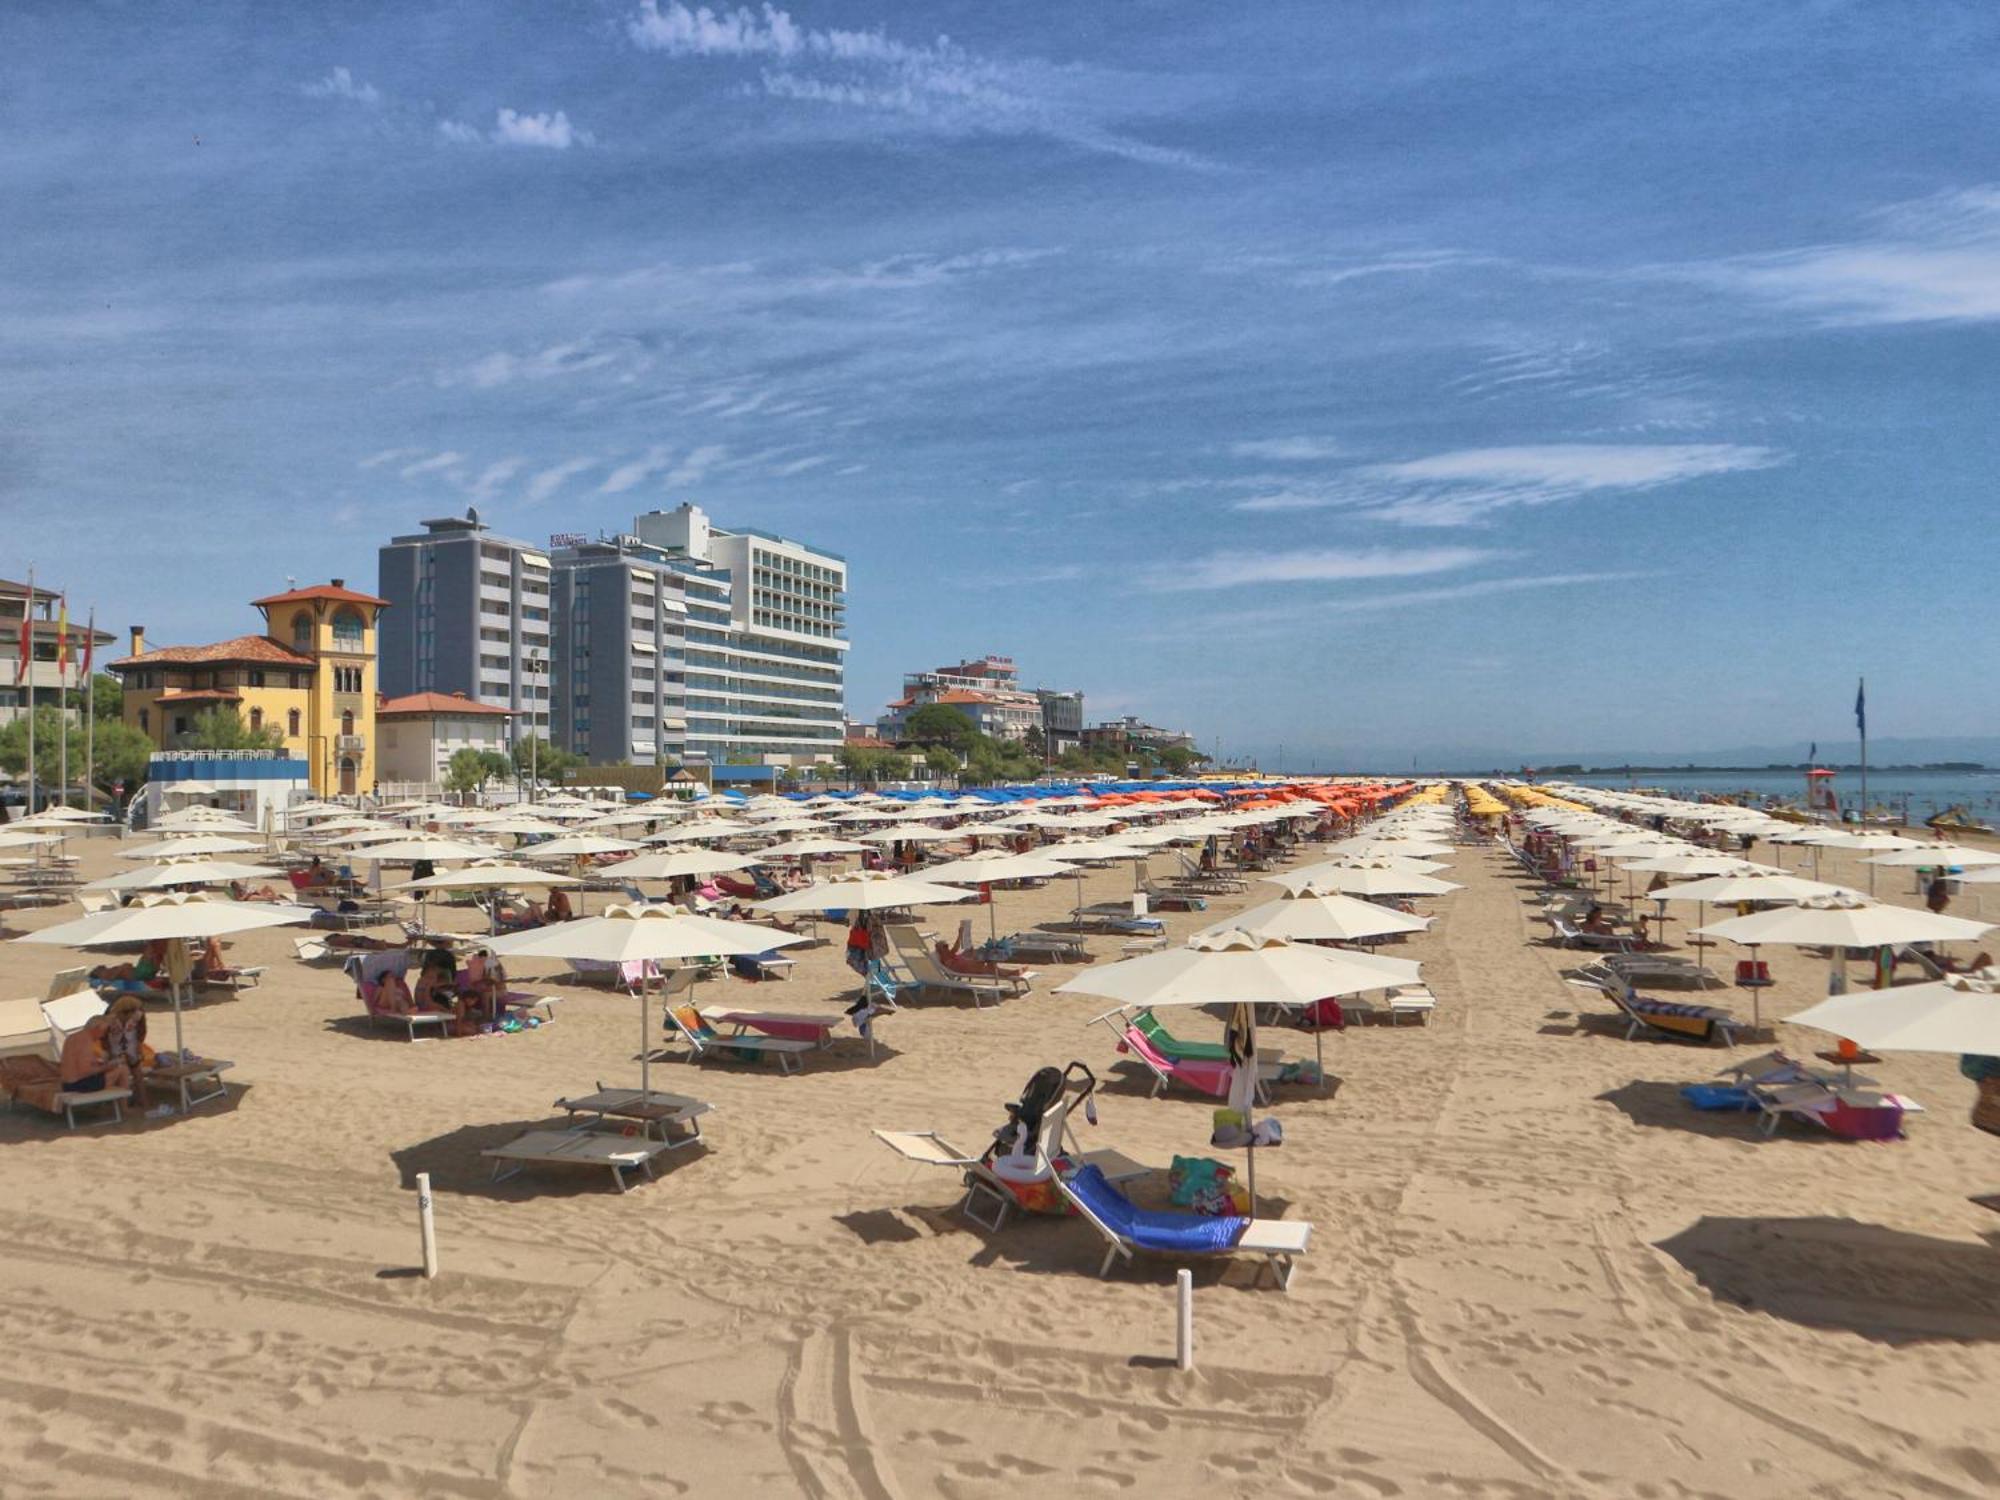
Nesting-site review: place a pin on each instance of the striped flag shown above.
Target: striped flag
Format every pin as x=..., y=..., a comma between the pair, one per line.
x=62, y=636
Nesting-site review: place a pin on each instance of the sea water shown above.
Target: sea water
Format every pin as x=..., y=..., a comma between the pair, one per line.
x=1926, y=792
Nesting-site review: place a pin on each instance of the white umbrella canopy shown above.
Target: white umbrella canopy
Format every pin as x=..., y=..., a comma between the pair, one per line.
x=523, y=827
x=1313, y=918
x=807, y=848
x=175, y=872
x=997, y=864
x=672, y=864
x=1843, y=921
x=1887, y=843
x=1411, y=848
x=578, y=845
x=638, y=934
x=418, y=846
x=865, y=890
x=174, y=918
x=1724, y=889
x=912, y=833
x=31, y=839
x=491, y=875
x=1115, y=847
x=642, y=934
x=380, y=833
x=1960, y=1014
x=190, y=845
x=1358, y=880
x=201, y=821
x=1694, y=864
x=1919, y=855
x=695, y=832
x=1227, y=966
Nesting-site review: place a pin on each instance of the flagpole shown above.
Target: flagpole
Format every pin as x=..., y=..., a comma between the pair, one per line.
x=90, y=708
x=62, y=703
x=28, y=668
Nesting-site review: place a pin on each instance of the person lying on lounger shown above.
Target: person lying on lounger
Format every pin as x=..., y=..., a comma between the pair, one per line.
x=146, y=971
x=240, y=891
x=87, y=1066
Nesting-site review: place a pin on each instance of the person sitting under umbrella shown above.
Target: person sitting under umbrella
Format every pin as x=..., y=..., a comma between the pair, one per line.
x=87, y=1066
x=558, y=909
x=125, y=1035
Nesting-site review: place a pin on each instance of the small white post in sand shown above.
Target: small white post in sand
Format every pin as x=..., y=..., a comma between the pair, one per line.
x=425, y=1226
x=1184, y=1323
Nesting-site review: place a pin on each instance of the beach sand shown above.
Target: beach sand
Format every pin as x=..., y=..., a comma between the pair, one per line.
x=1534, y=1271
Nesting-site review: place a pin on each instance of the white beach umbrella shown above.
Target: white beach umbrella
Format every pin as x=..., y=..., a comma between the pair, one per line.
x=1243, y=970
x=579, y=846
x=190, y=845
x=31, y=839
x=1410, y=848
x=695, y=832
x=175, y=918
x=490, y=875
x=809, y=848
x=865, y=890
x=1965, y=856
x=430, y=846
x=991, y=865
x=522, y=827
x=1358, y=880
x=673, y=864
x=1305, y=918
x=1960, y=1014
x=175, y=872
x=1753, y=885
x=642, y=934
x=912, y=833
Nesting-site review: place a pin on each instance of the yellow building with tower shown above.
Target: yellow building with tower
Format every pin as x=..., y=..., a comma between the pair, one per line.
x=310, y=676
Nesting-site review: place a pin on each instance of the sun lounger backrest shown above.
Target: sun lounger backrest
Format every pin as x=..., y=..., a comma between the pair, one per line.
x=68, y=1014
x=68, y=982
x=1151, y=1056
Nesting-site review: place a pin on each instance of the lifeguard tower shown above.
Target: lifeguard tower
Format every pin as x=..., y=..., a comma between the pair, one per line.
x=1822, y=801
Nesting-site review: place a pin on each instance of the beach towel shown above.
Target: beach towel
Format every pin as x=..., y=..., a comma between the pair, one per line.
x=1153, y=1229
x=31, y=1080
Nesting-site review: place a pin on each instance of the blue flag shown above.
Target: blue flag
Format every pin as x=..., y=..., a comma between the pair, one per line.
x=1812, y=755
x=1861, y=706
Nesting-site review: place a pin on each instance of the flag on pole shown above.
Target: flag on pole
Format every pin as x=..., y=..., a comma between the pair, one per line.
x=62, y=637
x=27, y=640
x=1861, y=707
x=89, y=646
x=1812, y=755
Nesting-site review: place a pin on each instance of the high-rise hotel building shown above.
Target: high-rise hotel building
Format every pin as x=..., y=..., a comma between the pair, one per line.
x=677, y=641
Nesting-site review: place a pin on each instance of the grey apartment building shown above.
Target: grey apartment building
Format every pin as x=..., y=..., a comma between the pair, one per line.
x=676, y=642
x=470, y=613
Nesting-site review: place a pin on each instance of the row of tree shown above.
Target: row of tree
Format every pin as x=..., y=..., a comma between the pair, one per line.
x=948, y=742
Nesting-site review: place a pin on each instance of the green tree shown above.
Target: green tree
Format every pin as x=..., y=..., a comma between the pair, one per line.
x=223, y=728
x=1036, y=743
x=940, y=724
x=104, y=695
x=468, y=769
x=118, y=752
x=941, y=761
x=1179, y=760
x=537, y=755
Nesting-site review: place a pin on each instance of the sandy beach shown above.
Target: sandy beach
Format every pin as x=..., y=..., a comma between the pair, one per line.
x=1534, y=1270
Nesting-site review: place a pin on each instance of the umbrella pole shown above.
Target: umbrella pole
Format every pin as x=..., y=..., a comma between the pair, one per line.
x=645, y=1039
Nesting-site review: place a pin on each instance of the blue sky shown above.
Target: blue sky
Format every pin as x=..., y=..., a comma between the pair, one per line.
x=1360, y=379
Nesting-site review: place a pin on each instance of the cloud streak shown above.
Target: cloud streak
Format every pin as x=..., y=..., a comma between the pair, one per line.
x=1223, y=570
x=342, y=84
x=937, y=84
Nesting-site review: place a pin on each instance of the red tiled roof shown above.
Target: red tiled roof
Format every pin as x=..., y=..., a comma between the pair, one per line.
x=250, y=648
x=435, y=703
x=201, y=695
x=320, y=591
x=869, y=742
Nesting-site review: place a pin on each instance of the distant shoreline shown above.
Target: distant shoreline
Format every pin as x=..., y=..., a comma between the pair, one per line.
x=1951, y=768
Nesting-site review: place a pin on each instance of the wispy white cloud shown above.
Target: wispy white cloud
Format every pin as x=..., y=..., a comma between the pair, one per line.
x=1028, y=578
x=495, y=475
x=801, y=465
x=432, y=465
x=695, y=467
x=549, y=480
x=1467, y=485
x=546, y=132
x=571, y=357
x=342, y=84
x=1289, y=450
x=386, y=456
x=1930, y=261
x=937, y=83
x=1395, y=601
x=551, y=131
x=634, y=471
x=1222, y=570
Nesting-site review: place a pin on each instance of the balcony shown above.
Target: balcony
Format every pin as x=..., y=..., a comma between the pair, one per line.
x=347, y=742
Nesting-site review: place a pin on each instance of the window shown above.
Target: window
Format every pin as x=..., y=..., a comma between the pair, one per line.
x=256, y=718
x=292, y=723
x=302, y=630
x=347, y=628
x=145, y=720
x=347, y=722
x=256, y=677
x=180, y=724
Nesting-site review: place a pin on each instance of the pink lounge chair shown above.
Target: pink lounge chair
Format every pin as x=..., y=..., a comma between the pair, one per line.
x=1201, y=1074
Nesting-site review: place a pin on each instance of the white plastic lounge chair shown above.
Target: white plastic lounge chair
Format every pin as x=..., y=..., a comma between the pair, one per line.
x=68, y=982
x=705, y=1042
x=619, y=1154
x=675, y=1118
x=988, y=1201
x=94, y=902
x=1411, y=1000
x=1128, y=1231
x=929, y=974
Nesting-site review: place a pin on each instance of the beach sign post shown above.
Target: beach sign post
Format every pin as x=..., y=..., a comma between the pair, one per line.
x=1184, y=1319
x=425, y=1227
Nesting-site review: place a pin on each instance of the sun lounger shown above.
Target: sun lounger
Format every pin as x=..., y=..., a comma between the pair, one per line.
x=705, y=1042
x=1128, y=1230
x=816, y=1029
x=1411, y=1000
x=1700, y=1023
x=37, y=1082
x=368, y=970
x=1852, y=1113
x=1203, y=1075
x=768, y=965
x=234, y=977
x=925, y=970
x=674, y=1117
x=1037, y=947
x=1569, y=935
x=94, y=902
x=619, y=1154
x=984, y=1186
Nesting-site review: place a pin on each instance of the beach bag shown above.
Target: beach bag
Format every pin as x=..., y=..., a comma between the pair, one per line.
x=1986, y=1110
x=1205, y=1187
x=1324, y=1015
